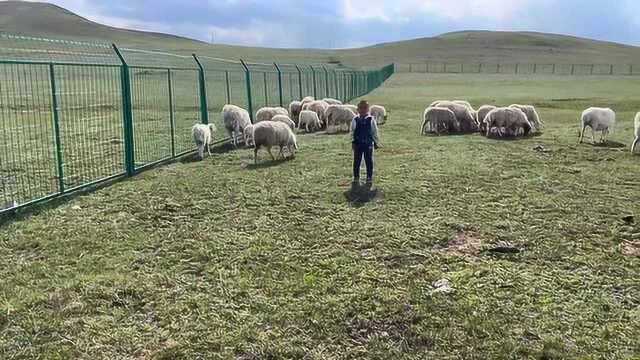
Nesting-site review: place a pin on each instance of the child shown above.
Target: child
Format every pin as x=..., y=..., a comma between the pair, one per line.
x=364, y=139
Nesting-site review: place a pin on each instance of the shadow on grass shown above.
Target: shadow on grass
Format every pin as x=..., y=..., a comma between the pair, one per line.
x=609, y=145
x=359, y=195
x=269, y=163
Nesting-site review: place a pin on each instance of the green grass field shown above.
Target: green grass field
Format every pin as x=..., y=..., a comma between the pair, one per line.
x=223, y=259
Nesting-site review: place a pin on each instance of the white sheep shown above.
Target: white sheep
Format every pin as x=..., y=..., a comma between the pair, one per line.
x=532, y=116
x=637, y=133
x=353, y=108
x=270, y=134
x=319, y=107
x=267, y=113
x=598, y=119
x=507, y=122
x=331, y=101
x=203, y=137
x=339, y=118
x=307, y=99
x=294, y=110
x=482, y=113
x=379, y=113
x=466, y=118
x=439, y=120
x=235, y=120
x=286, y=120
x=309, y=120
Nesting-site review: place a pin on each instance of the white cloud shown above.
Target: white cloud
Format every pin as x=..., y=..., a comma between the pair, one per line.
x=399, y=11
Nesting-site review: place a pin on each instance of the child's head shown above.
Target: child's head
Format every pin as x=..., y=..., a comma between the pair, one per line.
x=363, y=108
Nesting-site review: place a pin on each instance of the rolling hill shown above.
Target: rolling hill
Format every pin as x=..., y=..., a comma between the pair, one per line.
x=49, y=20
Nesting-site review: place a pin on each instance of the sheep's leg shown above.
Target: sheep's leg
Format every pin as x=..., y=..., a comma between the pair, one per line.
x=255, y=155
x=269, y=151
x=209, y=149
x=593, y=136
x=635, y=144
x=584, y=128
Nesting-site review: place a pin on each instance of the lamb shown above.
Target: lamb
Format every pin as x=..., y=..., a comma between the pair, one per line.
x=203, y=137
x=507, y=122
x=482, y=113
x=294, y=110
x=439, y=120
x=235, y=120
x=331, y=101
x=319, y=107
x=532, y=116
x=270, y=134
x=379, y=113
x=309, y=120
x=267, y=113
x=465, y=116
x=284, y=119
x=598, y=119
x=637, y=133
x=339, y=118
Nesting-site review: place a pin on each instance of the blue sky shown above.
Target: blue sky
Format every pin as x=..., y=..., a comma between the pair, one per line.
x=351, y=23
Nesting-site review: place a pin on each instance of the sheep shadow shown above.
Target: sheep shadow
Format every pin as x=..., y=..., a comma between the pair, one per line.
x=608, y=145
x=359, y=195
x=269, y=163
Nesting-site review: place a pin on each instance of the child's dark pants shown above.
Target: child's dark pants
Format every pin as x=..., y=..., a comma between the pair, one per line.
x=360, y=151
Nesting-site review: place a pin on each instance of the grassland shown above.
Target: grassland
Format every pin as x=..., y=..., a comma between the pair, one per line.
x=222, y=259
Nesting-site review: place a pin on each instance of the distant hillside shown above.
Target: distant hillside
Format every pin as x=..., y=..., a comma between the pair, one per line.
x=466, y=46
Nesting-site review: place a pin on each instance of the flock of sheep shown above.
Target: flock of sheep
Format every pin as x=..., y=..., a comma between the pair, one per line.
x=277, y=126
x=458, y=116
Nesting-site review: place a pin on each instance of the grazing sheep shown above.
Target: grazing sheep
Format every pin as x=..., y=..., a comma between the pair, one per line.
x=331, y=101
x=294, y=110
x=309, y=120
x=270, y=134
x=353, y=108
x=203, y=137
x=267, y=113
x=307, y=100
x=598, y=119
x=235, y=120
x=339, y=118
x=507, y=122
x=379, y=113
x=466, y=118
x=482, y=113
x=319, y=107
x=637, y=133
x=435, y=103
x=284, y=119
x=439, y=120
x=532, y=116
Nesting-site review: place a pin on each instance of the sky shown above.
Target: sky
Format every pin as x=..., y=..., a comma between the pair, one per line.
x=354, y=23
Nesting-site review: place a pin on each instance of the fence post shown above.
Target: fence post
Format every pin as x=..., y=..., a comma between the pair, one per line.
x=535, y=68
x=315, y=89
x=335, y=83
x=171, y=115
x=480, y=68
x=498, y=69
x=572, y=68
x=226, y=78
x=56, y=128
x=611, y=69
x=204, y=112
x=517, y=66
x=300, y=81
x=553, y=69
x=592, y=66
x=326, y=81
x=266, y=91
x=248, y=82
x=279, y=84
x=127, y=114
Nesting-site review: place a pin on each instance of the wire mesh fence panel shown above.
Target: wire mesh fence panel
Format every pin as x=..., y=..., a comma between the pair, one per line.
x=152, y=117
x=27, y=149
x=308, y=88
x=89, y=110
x=186, y=108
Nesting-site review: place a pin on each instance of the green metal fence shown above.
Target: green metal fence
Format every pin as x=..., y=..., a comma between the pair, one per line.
x=76, y=114
x=520, y=68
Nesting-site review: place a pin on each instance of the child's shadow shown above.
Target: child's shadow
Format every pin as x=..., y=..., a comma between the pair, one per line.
x=359, y=195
